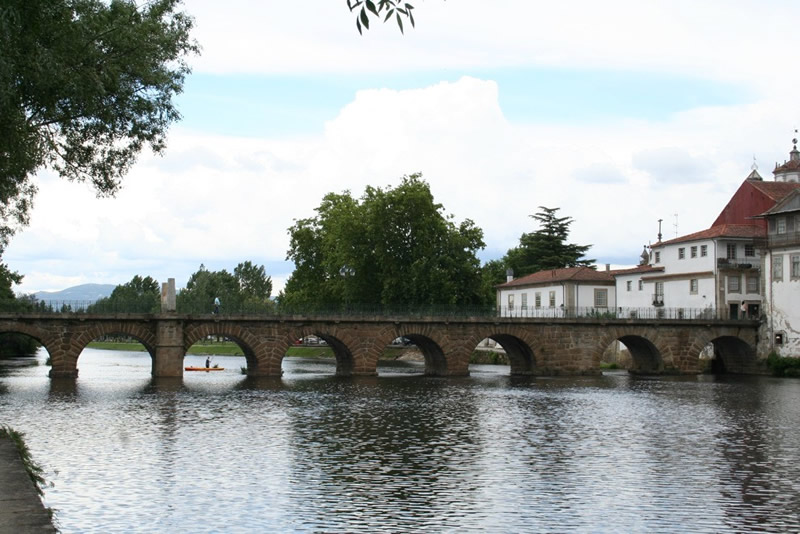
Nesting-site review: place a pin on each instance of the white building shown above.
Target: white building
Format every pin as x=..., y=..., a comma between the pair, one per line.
x=717, y=270
x=736, y=268
x=782, y=274
x=557, y=293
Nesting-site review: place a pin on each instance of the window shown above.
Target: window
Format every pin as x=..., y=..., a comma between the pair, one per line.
x=658, y=298
x=524, y=301
x=752, y=284
x=795, y=272
x=703, y=251
x=641, y=285
x=511, y=301
x=601, y=298
x=777, y=267
x=658, y=257
x=693, y=252
x=731, y=251
x=779, y=338
x=681, y=253
x=538, y=299
x=749, y=251
x=693, y=286
x=734, y=284
x=552, y=299
x=628, y=285
x=781, y=225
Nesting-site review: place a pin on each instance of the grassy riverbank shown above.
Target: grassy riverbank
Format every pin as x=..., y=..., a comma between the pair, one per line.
x=228, y=348
x=225, y=348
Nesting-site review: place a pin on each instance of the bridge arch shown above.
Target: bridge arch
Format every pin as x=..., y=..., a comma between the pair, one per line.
x=41, y=335
x=650, y=354
x=338, y=339
x=141, y=333
x=733, y=355
x=246, y=341
x=431, y=343
x=517, y=344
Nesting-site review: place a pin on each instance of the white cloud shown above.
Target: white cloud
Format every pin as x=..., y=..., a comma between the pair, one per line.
x=221, y=200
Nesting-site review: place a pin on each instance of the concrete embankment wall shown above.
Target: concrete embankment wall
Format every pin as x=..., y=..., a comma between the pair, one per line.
x=21, y=509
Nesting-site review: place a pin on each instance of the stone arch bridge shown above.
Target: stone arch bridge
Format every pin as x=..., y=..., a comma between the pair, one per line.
x=534, y=346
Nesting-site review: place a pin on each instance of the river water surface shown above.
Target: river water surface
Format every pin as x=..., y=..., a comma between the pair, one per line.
x=310, y=452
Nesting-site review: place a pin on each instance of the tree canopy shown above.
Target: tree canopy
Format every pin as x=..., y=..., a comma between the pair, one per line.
x=393, y=247
x=547, y=247
x=247, y=289
x=141, y=294
x=85, y=85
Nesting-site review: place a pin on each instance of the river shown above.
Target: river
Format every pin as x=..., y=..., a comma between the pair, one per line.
x=310, y=452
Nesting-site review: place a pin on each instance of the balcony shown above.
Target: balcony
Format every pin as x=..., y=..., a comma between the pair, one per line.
x=736, y=263
x=783, y=240
x=658, y=300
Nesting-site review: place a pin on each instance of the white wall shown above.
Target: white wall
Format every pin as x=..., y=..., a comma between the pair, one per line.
x=672, y=263
x=585, y=294
x=634, y=298
x=782, y=303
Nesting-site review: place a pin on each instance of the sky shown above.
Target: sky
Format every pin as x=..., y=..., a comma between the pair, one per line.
x=619, y=113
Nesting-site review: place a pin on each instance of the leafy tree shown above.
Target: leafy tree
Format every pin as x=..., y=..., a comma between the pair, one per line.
x=381, y=8
x=394, y=247
x=84, y=86
x=253, y=280
x=141, y=295
x=247, y=290
x=14, y=344
x=493, y=272
x=255, y=287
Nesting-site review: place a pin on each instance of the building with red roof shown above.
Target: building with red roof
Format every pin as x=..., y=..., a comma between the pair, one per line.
x=717, y=271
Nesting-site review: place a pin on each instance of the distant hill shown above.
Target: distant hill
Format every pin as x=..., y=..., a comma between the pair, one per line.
x=83, y=292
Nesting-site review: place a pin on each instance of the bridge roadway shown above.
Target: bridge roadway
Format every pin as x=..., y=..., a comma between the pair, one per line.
x=535, y=346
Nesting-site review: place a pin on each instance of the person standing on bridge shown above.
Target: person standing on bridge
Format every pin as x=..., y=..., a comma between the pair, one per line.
x=216, y=305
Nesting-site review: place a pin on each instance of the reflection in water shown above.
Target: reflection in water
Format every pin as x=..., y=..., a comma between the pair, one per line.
x=309, y=451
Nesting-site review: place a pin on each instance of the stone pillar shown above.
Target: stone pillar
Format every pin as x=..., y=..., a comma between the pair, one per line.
x=168, y=301
x=169, y=349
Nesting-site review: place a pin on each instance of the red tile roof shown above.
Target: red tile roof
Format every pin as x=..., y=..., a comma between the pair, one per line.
x=788, y=166
x=567, y=274
x=747, y=231
x=776, y=190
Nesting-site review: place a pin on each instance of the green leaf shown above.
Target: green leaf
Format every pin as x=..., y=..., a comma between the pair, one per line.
x=371, y=7
x=400, y=23
x=364, y=18
x=388, y=15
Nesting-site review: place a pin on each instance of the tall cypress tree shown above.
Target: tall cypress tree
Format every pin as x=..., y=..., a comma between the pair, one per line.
x=547, y=247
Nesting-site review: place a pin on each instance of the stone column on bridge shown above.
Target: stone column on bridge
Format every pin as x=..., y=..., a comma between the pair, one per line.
x=170, y=351
x=168, y=300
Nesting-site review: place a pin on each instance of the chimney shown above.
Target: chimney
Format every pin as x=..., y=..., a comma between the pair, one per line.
x=509, y=275
x=608, y=267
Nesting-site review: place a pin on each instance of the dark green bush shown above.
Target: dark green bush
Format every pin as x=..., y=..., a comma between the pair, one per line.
x=786, y=366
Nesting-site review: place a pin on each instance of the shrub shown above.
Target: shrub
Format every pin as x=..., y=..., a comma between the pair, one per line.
x=786, y=366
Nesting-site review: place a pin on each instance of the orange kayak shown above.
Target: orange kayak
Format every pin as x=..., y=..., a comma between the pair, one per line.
x=204, y=368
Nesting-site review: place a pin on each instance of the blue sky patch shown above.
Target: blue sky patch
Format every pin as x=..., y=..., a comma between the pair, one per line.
x=268, y=106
